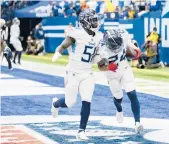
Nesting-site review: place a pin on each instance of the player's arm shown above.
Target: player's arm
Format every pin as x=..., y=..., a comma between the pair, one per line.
x=103, y=64
x=68, y=41
x=100, y=57
x=132, y=51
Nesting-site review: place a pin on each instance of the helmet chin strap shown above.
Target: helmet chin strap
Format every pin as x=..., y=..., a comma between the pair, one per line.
x=94, y=29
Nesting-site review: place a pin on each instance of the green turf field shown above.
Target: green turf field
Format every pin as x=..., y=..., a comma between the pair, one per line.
x=160, y=74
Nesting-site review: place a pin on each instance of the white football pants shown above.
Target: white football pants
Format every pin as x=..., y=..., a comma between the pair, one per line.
x=123, y=78
x=82, y=83
x=16, y=44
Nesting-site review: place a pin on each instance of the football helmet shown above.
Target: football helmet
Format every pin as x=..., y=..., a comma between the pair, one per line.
x=113, y=40
x=89, y=19
x=16, y=21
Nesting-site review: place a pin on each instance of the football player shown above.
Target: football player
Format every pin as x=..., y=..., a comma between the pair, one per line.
x=4, y=49
x=79, y=76
x=116, y=45
x=14, y=40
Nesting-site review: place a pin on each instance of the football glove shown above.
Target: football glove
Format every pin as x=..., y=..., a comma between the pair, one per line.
x=56, y=56
x=112, y=67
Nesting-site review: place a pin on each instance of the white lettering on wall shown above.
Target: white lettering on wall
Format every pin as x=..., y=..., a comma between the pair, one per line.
x=149, y=24
x=146, y=24
x=165, y=32
x=154, y=23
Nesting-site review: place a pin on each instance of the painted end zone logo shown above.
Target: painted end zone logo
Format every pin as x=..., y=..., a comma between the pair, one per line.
x=100, y=129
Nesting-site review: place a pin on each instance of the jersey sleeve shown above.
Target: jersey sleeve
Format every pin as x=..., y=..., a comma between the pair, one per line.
x=100, y=53
x=71, y=32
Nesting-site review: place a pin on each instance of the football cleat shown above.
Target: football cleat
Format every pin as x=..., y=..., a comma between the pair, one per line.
x=11, y=68
x=81, y=136
x=162, y=65
x=138, y=128
x=54, y=110
x=119, y=117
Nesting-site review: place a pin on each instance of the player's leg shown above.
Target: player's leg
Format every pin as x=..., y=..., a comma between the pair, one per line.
x=19, y=57
x=128, y=82
x=71, y=91
x=86, y=89
x=9, y=61
x=19, y=50
x=115, y=87
x=15, y=55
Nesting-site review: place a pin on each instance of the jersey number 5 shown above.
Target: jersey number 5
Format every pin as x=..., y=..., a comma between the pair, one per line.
x=88, y=53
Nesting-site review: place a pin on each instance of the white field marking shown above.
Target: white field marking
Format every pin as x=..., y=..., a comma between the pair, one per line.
x=10, y=134
x=116, y=137
x=17, y=87
x=74, y=140
x=94, y=132
x=149, y=123
x=54, y=128
x=36, y=135
x=159, y=126
x=159, y=135
x=99, y=78
x=131, y=142
x=14, y=141
x=40, y=119
x=45, y=124
x=5, y=76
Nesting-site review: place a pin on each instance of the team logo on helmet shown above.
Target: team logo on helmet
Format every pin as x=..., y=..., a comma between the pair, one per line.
x=113, y=40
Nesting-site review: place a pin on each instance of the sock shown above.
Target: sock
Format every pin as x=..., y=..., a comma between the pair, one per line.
x=135, y=105
x=85, y=112
x=80, y=130
x=9, y=61
x=16, y=53
x=118, y=105
x=60, y=103
x=19, y=56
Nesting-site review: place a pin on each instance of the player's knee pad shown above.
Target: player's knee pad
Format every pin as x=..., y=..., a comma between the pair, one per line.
x=118, y=95
x=87, y=99
x=70, y=103
x=132, y=95
x=117, y=103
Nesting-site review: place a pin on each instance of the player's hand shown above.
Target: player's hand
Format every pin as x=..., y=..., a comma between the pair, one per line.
x=103, y=64
x=56, y=56
x=103, y=68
